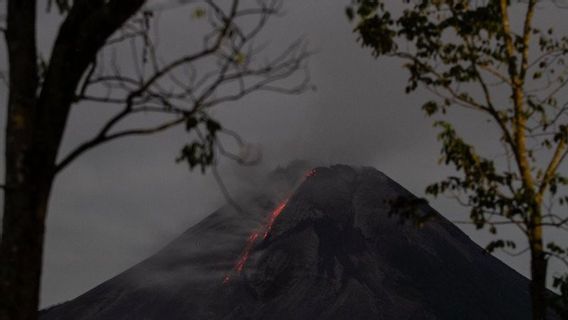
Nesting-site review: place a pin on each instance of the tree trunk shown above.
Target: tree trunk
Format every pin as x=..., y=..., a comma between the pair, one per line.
x=36, y=120
x=538, y=274
x=21, y=249
x=27, y=181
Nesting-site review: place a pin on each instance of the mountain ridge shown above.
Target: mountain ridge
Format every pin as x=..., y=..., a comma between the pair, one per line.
x=334, y=251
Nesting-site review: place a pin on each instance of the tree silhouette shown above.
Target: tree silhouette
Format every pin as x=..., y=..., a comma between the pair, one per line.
x=85, y=65
x=467, y=54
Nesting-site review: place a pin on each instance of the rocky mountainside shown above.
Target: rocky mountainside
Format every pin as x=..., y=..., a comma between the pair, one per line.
x=326, y=249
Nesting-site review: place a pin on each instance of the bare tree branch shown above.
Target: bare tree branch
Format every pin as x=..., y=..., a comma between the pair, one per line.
x=164, y=91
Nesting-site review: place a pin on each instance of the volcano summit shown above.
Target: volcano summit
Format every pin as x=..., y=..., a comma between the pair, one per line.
x=328, y=250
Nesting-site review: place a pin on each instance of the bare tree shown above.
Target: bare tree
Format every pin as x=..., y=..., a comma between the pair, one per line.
x=86, y=65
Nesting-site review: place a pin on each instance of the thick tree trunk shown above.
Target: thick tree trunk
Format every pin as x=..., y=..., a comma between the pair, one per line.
x=36, y=120
x=26, y=188
x=21, y=249
x=27, y=179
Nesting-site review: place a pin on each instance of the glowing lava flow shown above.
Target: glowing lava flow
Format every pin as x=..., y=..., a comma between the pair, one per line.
x=246, y=252
x=240, y=265
x=275, y=215
x=310, y=173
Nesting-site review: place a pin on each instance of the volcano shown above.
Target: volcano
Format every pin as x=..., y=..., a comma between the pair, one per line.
x=326, y=246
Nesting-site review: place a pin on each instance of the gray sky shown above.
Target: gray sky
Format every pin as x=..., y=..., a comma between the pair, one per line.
x=120, y=203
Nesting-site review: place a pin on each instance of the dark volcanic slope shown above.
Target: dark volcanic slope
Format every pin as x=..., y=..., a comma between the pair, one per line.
x=332, y=253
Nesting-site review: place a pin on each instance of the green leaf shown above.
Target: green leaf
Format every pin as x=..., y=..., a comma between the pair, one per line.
x=198, y=13
x=350, y=13
x=430, y=107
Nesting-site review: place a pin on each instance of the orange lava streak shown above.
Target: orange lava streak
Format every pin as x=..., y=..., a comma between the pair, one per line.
x=275, y=215
x=240, y=265
x=246, y=252
x=310, y=173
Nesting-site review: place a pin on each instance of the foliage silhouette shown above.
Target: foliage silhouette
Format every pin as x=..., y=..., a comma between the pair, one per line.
x=467, y=53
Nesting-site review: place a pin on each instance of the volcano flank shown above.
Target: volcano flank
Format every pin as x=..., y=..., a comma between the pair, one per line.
x=326, y=247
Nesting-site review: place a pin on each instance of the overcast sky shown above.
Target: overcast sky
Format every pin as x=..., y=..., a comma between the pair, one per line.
x=123, y=201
